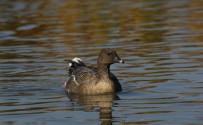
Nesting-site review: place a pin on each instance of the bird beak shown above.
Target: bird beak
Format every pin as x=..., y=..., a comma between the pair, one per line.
x=121, y=61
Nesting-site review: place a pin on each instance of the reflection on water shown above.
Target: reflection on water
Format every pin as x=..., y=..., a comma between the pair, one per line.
x=161, y=42
x=104, y=102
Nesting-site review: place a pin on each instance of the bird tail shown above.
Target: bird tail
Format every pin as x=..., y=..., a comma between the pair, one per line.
x=75, y=62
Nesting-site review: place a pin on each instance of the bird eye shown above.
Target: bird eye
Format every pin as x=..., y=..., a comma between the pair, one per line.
x=108, y=54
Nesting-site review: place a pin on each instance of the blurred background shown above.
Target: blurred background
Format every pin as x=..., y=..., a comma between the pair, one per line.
x=160, y=41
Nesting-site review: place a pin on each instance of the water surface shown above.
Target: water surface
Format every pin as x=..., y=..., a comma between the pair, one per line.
x=161, y=42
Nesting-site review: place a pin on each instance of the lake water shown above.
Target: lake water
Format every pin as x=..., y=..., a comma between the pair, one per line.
x=160, y=41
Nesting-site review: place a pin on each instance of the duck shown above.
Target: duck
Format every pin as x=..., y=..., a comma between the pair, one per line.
x=87, y=80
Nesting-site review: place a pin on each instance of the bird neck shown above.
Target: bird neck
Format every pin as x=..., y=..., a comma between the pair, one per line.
x=103, y=70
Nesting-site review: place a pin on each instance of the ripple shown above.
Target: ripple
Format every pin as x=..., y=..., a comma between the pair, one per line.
x=27, y=27
x=161, y=43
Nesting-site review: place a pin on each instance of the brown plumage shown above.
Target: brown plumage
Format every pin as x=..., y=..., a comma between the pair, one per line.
x=91, y=81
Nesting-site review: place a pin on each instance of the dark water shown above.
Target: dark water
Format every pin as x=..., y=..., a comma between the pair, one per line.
x=161, y=42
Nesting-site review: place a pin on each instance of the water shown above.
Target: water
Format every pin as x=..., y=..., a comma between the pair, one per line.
x=161, y=42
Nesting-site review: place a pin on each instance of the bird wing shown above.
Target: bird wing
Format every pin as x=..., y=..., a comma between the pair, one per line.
x=84, y=75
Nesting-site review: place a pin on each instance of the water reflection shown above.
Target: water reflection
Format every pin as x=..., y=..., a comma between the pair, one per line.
x=161, y=41
x=104, y=102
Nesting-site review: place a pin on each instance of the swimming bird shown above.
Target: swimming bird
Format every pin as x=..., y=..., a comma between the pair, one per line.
x=86, y=80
